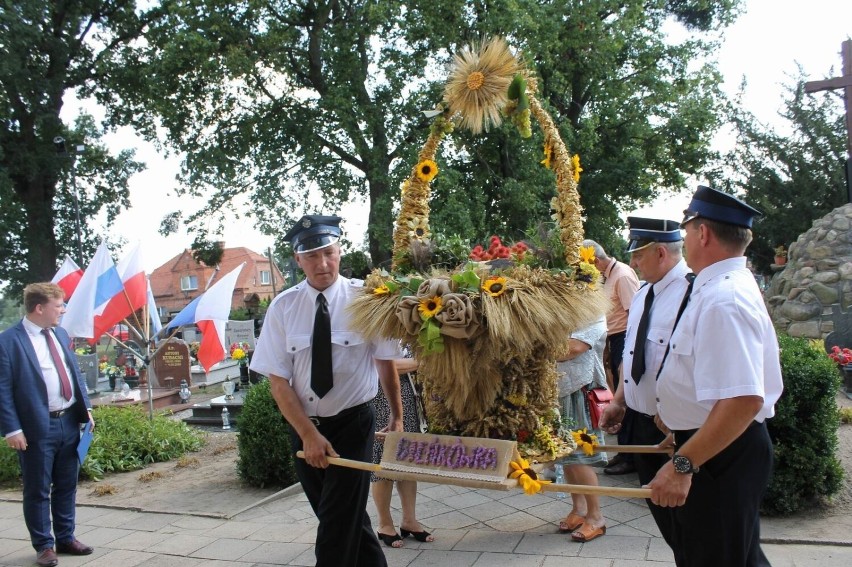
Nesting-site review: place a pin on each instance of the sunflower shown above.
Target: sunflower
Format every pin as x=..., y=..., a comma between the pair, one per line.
x=575, y=166
x=587, y=254
x=427, y=170
x=585, y=441
x=478, y=81
x=548, y=153
x=494, y=286
x=382, y=290
x=418, y=228
x=430, y=306
x=526, y=477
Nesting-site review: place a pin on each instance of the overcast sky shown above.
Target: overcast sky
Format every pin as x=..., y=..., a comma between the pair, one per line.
x=764, y=46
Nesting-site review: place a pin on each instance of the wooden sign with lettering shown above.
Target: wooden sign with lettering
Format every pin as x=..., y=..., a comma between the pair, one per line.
x=449, y=456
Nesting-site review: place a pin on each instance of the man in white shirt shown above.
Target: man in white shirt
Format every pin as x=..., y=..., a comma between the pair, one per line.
x=717, y=387
x=655, y=246
x=323, y=376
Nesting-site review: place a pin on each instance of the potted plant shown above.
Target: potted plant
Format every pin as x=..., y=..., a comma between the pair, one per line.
x=780, y=255
x=843, y=358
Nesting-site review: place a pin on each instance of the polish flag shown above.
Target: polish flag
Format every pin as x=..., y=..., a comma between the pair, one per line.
x=68, y=277
x=134, y=295
x=210, y=312
x=99, y=284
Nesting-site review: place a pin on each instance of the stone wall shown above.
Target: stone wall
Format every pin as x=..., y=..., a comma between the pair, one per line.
x=812, y=296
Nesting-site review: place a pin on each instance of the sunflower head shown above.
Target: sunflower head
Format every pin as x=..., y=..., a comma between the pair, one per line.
x=382, y=290
x=426, y=170
x=494, y=286
x=429, y=306
x=575, y=167
x=587, y=254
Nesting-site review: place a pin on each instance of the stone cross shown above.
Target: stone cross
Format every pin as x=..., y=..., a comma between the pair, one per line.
x=843, y=82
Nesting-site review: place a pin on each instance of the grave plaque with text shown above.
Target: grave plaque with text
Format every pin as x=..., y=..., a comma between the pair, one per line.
x=88, y=364
x=172, y=364
x=240, y=332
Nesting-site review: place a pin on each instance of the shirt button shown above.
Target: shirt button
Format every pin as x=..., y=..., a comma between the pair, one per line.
x=631, y=352
x=293, y=349
x=346, y=342
x=625, y=381
x=661, y=341
x=312, y=399
x=658, y=399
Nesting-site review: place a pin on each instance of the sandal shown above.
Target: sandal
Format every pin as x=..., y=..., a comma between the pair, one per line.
x=571, y=523
x=390, y=540
x=423, y=536
x=587, y=533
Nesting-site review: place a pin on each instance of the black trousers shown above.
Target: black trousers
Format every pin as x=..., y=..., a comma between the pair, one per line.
x=338, y=495
x=615, y=342
x=645, y=432
x=720, y=522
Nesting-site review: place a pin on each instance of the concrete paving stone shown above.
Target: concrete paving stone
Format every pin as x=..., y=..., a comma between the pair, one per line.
x=138, y=541
x=557, y=561
x=659, y=550
x=808, y=555
x=438, y=491
x=79, y=560
x=303, y=513
x=631, y=563
x=7, y=523
x=13, y=547
x=429, y=558
x=452, y=520
x=306, y=559
x=552, y=511
x=431, y=508
x=122, y=557
x=467, y=500
x=197, y=523
x=109, y=518
x=521, y=501
x=488, y=510
x=444, y=540
x=100, y=536
x=10, y=509
x=308, y=536
x=16, y=531
x=235, y=529
x=227, y=549
x=399, y=557
x=173, y=561
x=147, y=522
x=508, y=560
x=275, y=552
x=486, y=540
x=645, y=525
x=623, y=512
x=547, y=544
x=181, y=544
x=616, y=547
x=517, y=522
x=281, y=533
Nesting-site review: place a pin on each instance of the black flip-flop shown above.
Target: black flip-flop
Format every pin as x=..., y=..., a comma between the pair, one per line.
x=422, y=537
x=390, y=540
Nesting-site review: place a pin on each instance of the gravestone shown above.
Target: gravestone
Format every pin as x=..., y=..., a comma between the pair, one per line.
x=172, y=364
x=88, y=364
x=127, y=354
x=240, y=332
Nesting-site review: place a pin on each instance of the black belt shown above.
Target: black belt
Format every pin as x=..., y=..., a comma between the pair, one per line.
x=59, y=413
x=644, y=415
x=316, y=420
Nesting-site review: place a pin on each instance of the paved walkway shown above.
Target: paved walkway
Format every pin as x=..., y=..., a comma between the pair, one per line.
x=479, y=528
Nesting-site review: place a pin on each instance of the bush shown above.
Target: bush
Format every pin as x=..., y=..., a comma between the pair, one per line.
x=265, y=456
x=804, y=430
x=125, y=440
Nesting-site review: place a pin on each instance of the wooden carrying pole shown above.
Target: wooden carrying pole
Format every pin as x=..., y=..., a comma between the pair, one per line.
x=506, y=484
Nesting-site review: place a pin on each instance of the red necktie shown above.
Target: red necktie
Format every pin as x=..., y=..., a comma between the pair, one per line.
x=64, y=382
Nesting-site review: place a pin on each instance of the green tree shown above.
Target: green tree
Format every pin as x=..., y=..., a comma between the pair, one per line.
x=274, y=99
x=49, y=50
x=794, y=173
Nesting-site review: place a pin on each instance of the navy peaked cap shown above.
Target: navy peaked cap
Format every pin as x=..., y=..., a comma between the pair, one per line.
x=720, y=207
x=313, y=232
x=644, y=232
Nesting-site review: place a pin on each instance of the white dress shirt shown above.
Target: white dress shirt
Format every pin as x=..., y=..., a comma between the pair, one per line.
x=668, y=294
x=55, y=400
x=284, y=348
x=724, y=347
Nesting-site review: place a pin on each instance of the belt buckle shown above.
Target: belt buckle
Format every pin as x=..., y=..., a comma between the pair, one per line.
x=315, y=420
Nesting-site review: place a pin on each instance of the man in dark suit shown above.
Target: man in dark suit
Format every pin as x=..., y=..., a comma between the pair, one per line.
x=43, y=401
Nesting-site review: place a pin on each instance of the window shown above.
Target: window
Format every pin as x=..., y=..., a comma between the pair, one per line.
x=265, y=278
x=188, y=283
x=162, y=311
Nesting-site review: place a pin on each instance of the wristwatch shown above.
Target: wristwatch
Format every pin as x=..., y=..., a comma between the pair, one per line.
x=683, y=465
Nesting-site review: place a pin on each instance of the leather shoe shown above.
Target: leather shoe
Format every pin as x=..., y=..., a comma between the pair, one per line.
x=46, y=558
x=74, y=547
x=621, y=467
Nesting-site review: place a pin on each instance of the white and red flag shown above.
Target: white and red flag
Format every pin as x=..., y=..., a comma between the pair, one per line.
x=99, y=284
x=133, y=296
x=68, y=277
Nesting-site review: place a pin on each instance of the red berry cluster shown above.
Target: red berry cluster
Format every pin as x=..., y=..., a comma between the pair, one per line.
x=496, y=249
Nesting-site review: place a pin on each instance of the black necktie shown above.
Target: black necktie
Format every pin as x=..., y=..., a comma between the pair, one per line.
x=690, y=277
x=638, y=368
x=321, y=373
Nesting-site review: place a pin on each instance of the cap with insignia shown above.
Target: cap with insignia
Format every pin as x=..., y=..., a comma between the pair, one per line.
x=720, y=207
x=644, y=232
x=313, y=232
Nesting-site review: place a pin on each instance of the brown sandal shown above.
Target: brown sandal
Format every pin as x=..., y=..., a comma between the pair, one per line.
x=571, y=523
x=587, y=533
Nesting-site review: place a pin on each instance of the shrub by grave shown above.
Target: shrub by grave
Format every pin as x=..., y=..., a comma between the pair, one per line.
x=125, y=440
x=265, y=456
x=804, y=430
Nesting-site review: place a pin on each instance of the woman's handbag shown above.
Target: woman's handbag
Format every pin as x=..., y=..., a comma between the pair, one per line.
x=598, y=399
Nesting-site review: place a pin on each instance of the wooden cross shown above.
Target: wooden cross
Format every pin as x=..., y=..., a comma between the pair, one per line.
x=842, y=82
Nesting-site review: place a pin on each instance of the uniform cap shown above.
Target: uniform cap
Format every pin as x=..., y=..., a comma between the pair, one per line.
x=644, y=232
x=720, y=207
x=313, y=232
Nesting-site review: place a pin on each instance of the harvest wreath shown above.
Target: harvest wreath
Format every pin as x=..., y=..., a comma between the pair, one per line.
x=487, y=334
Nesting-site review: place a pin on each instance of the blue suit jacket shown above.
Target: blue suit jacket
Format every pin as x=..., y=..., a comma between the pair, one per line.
x=23, y=394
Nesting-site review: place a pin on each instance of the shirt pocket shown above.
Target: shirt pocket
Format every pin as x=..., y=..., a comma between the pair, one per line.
x=347, y=351
x=298, y=344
